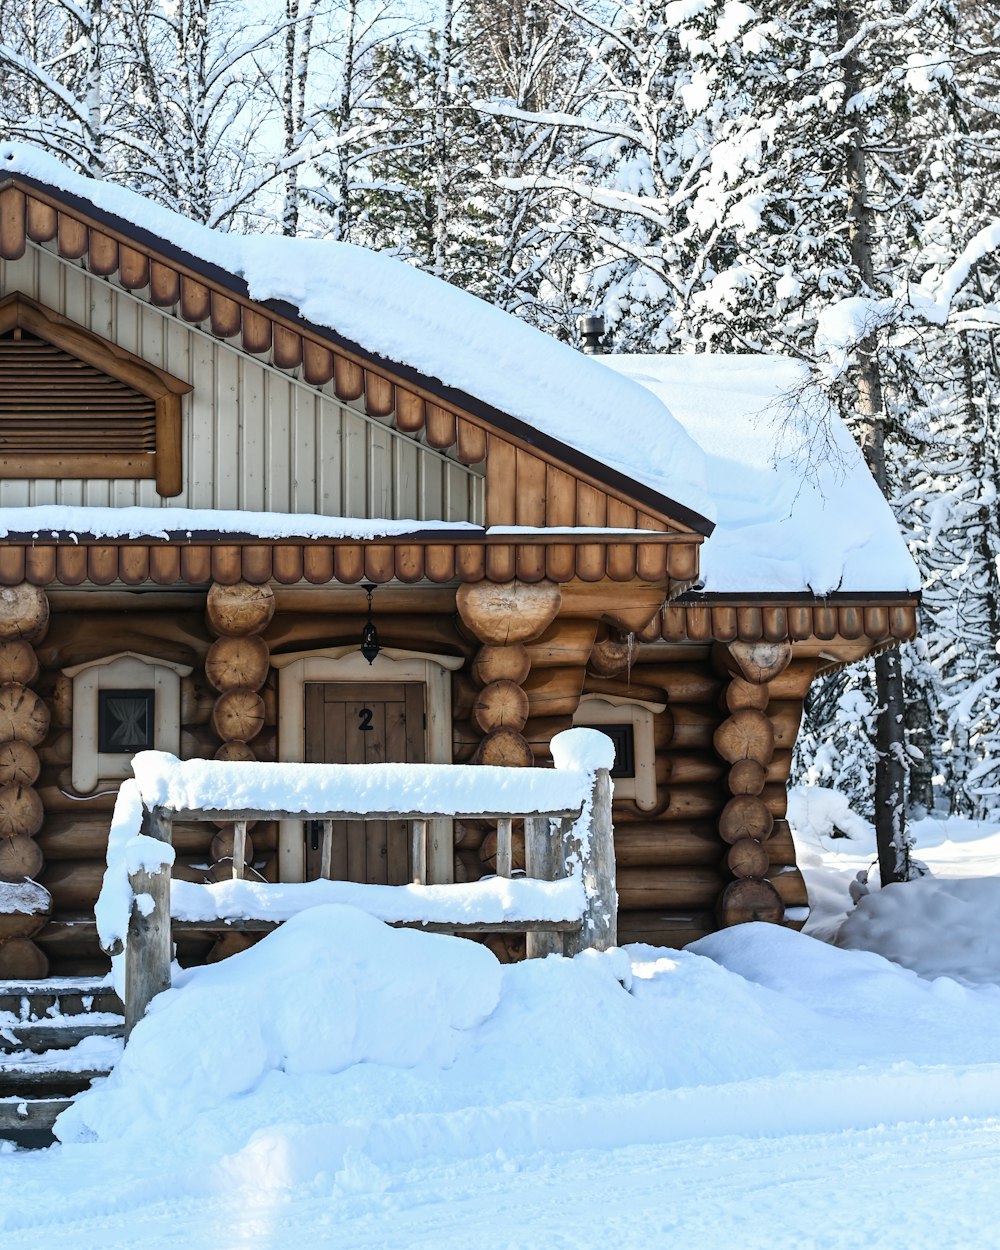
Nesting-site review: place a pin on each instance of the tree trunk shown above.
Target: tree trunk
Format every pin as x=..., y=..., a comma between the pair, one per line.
x=891, y=760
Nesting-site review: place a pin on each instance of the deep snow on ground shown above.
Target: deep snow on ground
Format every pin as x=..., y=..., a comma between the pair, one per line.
x=347, y=1085
x=946, y=923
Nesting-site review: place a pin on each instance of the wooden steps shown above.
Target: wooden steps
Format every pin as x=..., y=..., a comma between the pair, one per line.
x=56, y=1036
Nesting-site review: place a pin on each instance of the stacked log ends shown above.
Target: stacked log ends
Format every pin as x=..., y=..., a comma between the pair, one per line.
x=501, y=705
x=612, y=654
x=25, y=906
x=503, y=618
x=761, y=662
x=504, y=748
x=24, y=612
x=237, y=666
x=751, y=899
x=240, y=610
x=746, y=735
x=745, y=740
x=236, y=752
x=237, y=663
x=238, y=715
x=508, y=612
x=501, y=663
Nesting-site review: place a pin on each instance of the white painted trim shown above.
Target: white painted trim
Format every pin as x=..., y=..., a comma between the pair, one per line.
x=182, y=670
x=333, y=664
x=123, y=670
x=601, y=709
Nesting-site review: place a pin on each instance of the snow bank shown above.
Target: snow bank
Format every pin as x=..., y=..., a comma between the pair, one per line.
x=797, y=509
x=943, y=924
x=937, y=928
x=403, y=315
x=336, y=1037
x=331, y=989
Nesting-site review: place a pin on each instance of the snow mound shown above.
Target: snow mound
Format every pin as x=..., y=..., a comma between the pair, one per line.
x=937, y=928
x=330, y=989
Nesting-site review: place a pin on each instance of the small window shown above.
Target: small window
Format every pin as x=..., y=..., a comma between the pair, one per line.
x=623, y=736
x=122, y=703
x=629, y=725
x=125, y=721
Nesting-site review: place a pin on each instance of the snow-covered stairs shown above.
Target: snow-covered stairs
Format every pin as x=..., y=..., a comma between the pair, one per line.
x=56, y=1036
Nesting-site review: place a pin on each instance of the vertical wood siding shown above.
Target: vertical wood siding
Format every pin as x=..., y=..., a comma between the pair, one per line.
x=254, y=438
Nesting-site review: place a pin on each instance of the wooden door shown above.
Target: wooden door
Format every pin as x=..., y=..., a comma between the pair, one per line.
x=365, y=723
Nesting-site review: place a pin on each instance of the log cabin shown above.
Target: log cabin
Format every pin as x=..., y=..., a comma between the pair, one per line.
x=286, y=500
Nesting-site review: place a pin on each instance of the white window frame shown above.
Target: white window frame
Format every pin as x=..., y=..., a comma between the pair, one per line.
x=125, y=670
x=609, y=709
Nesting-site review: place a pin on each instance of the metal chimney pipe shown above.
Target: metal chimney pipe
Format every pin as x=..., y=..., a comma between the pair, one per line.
x=591, y=326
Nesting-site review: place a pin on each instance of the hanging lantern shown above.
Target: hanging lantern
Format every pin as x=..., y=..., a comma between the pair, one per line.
x=369, y=635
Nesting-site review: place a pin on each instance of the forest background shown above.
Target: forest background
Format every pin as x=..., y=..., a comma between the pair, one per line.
x=813, y=178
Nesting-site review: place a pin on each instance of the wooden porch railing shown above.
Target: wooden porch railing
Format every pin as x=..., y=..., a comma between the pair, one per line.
x=555, y=848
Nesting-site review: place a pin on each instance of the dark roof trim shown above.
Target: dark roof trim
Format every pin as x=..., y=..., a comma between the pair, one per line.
x=502, y=421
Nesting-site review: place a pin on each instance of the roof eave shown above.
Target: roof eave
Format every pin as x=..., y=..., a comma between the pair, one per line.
x=677, y=512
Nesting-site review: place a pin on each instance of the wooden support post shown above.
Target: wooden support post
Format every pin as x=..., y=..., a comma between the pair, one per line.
x=545, y=861
x=420, y=852
x=326, y=851
x=505, y=850
x=596, y=864
x=239, y=849
x=148, y=948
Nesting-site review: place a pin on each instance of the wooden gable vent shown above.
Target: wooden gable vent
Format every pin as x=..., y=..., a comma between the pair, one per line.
x=73, y=405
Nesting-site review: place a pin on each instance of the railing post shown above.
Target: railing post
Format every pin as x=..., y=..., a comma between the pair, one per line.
x=420, y=852
x=148, y=948
x=596, y=854
x=239, y=849
x=544, y=860
x=505, y=847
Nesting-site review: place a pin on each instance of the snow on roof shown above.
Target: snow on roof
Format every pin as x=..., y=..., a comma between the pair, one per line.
x=797, y=508
x=58, y=519
x=403, y=315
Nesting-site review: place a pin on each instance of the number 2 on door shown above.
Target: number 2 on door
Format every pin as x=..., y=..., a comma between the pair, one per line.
x=365, y=720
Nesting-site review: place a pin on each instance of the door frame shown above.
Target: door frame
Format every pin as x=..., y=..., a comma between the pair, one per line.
x=347, y=664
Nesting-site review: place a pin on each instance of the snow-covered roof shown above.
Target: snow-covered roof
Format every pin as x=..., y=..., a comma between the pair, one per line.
x=796, y=506
x=392, y=311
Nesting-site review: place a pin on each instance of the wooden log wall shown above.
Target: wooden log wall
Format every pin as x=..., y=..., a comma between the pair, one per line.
x=74, y=837
x=24, y=724
x=527, y=680
x=672, y=862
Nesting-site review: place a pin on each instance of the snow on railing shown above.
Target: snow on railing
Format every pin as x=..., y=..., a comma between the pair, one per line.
x=567, y=902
